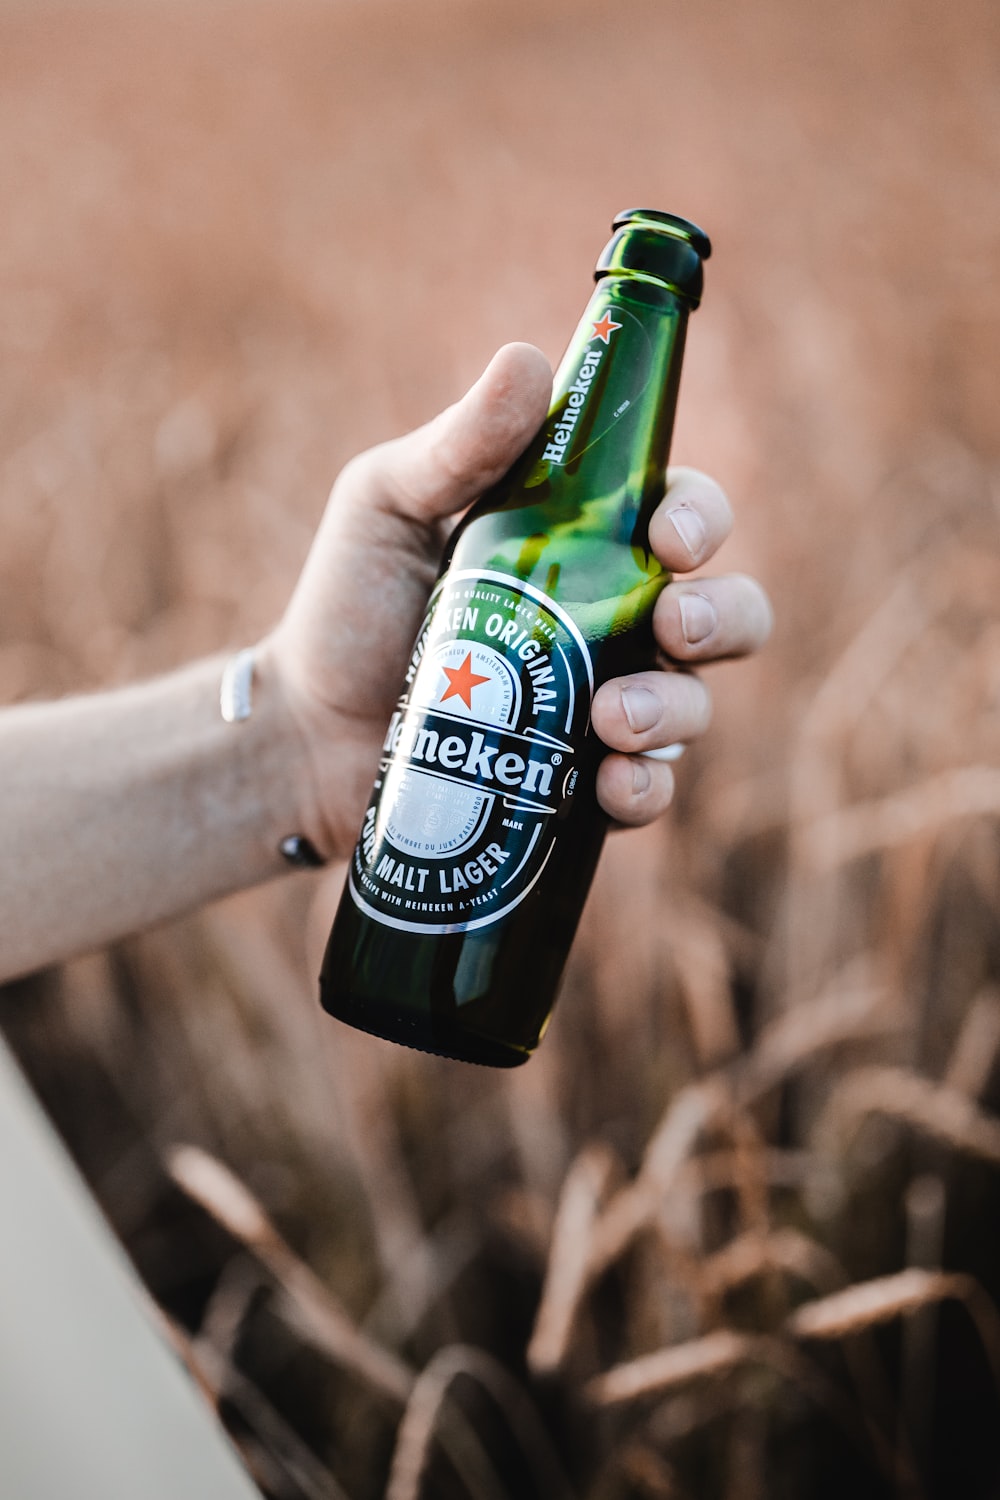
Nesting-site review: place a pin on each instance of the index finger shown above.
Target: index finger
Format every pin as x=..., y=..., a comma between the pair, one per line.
x=691, y=521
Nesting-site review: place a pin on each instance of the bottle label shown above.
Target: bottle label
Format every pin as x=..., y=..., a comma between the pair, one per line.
x=479, y=762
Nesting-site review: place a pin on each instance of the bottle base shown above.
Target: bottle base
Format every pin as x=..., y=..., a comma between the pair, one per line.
x=421, y=1033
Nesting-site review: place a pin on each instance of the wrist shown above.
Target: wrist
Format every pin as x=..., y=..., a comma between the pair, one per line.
x=290, y=765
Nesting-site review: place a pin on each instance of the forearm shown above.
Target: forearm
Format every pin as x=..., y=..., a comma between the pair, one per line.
x=123, y=809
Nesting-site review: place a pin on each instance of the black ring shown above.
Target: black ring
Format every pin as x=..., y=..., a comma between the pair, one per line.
x=300, y=853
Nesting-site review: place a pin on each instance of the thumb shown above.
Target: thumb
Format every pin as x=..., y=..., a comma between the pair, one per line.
x=442, y=467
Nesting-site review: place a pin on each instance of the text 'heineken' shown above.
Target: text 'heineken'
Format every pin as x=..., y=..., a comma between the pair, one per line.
x=483, y=829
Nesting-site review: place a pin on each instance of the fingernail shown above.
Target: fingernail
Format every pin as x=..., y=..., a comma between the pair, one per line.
x=665, y=752
x=698, y=617
x=690, y=528
x=641, y=778
x=641, y=707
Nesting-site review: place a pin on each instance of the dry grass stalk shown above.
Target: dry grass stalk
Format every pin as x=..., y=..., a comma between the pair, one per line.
x=535, y=1126
x=975, y=1051
x=281, y=1451
x=632, y=1210
x=636, y=1206
x=679, y=1278
x=524, y=1217
x=688, y=1411
x=882, y=823
x=425, y=1418
x=403, y=1302
x=639, y=1206
x=318, y=1315
x=815, y=779
x=924, y=591
x=926, y=1203
x=847, y=1011
x=221, y=1194
x=802, y=1374
x=585, y=1189
x=229, y=1305
x=934, y=1108
x=791, y=1253
x=888, y=1297
x=750, y=1172
x=724, y=1353
x=279, y=1441
x=869, y=658
x=279, y=1016
x=690, y=1112
x=746, y=1459
x=816, y=773
x=649, y=1472
x=425, y=1413
x=218, y=1379
x=717, y=1171
x=702, y=964
x=200, y=1370
x=871, y=1302
x=909, y=880
x=668, y=1160
x=370, y=1129
x=785, y=1250
x=714, y=1354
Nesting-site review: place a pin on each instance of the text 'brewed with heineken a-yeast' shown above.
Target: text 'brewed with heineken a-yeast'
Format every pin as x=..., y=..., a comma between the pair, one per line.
x=483, y=830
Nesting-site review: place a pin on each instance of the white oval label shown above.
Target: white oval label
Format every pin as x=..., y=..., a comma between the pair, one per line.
x=479, y=758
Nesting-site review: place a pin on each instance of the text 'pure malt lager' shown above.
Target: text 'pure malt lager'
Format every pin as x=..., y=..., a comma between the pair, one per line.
x=483, y=830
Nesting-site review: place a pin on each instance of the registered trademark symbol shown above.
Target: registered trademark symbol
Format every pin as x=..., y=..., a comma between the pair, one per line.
x=557, y=760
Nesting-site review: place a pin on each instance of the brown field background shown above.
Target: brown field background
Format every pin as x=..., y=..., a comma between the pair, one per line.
x=735, y=1231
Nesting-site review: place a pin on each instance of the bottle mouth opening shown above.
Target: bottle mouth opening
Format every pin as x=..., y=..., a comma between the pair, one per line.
x=651, y=245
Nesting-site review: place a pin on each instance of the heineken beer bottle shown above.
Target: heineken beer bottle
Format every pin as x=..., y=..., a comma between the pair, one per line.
x=483, y=831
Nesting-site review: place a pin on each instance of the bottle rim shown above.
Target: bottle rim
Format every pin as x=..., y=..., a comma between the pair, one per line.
x=650, y=245
x=666, y=223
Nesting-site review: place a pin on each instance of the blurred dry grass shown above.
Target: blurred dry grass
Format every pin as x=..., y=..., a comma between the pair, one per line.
x=733, y=1231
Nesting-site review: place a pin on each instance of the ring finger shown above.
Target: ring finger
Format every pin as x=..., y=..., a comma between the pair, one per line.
x=651, y=710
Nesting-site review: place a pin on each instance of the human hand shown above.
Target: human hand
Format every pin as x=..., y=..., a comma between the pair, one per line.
x=695, y=621
x=339, y=654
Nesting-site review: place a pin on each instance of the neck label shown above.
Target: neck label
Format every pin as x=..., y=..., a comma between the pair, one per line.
x=598, y=382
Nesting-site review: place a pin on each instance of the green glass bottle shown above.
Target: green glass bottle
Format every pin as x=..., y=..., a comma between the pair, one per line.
x=483, y=830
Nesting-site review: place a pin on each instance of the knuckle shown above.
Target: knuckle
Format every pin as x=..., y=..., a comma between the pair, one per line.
x=687, y=693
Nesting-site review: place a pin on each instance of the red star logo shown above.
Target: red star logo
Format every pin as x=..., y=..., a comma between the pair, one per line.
x=605, y=328
x=461, y=681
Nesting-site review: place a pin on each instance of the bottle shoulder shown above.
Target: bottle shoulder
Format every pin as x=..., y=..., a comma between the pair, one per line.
x=606, y=582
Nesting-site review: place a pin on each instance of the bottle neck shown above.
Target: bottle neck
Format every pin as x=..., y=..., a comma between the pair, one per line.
x=644, y=291
x=572, y=516
x=615, y=391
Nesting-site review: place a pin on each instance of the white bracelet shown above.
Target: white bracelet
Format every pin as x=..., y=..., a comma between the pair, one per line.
x=236, y=687
x=235, y=705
